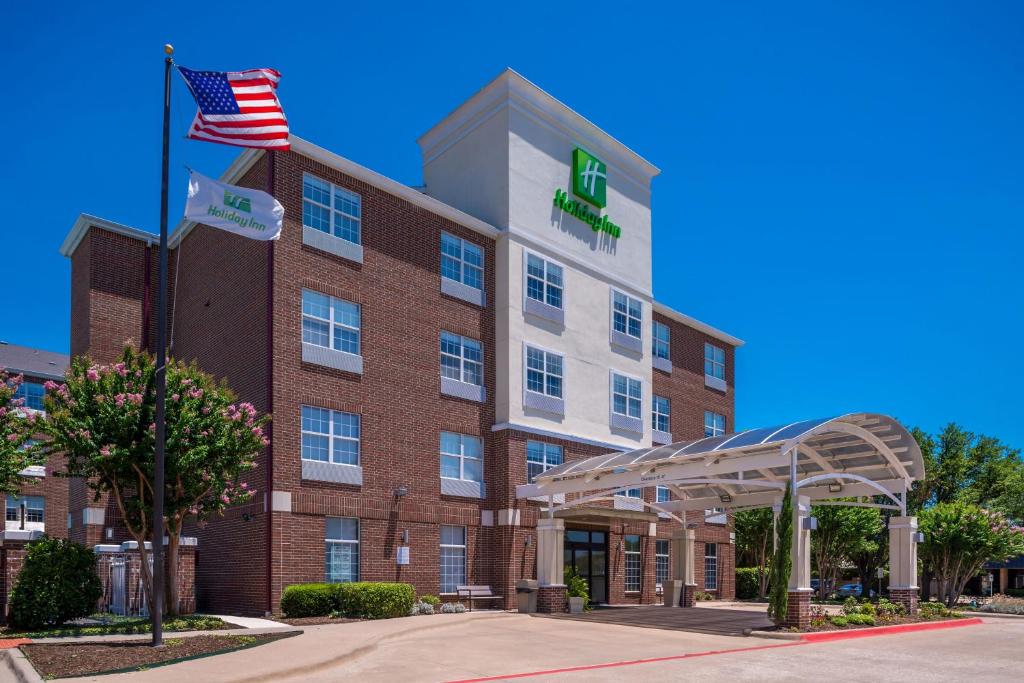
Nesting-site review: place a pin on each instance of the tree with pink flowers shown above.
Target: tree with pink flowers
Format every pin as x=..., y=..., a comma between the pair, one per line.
x=102, y=419
x=16, y=427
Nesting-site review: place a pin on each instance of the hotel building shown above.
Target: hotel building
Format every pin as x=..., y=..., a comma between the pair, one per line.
x=424, y=351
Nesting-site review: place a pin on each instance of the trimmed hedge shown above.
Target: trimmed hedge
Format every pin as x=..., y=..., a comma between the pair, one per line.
x=362, y=600
x=57, y=583
x=746, y=583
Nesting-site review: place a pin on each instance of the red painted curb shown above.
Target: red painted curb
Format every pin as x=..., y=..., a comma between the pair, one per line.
x=9, y=643
x=827, y=636
x=608, y=665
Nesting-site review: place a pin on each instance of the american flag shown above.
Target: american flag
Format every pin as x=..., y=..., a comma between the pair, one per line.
x=237, y=108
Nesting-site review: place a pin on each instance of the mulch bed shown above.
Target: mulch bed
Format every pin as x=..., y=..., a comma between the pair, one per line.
x=915, y=619
x=80, y=659
x=314, y=621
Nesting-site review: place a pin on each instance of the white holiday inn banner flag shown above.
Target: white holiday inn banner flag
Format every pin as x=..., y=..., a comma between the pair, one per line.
x=241, y=210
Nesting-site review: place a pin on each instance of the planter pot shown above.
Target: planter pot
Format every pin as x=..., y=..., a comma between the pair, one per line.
x=576, y=605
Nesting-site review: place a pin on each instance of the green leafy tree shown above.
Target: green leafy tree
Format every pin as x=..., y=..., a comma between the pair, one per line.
x=16, y=428
x=841, y=531
x=102, y=419
x=754, y=543
x=782, y=562
x=57, y=583
x=959, y=538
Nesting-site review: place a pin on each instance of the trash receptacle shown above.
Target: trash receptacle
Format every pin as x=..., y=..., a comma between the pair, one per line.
x=526, y=595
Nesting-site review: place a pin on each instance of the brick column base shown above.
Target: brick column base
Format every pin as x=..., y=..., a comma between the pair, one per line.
x=798, y=610
x=689, y=595
x=906, y=597
x=551, y=599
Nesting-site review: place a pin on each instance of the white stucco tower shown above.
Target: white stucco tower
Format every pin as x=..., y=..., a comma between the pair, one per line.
x=507, y=156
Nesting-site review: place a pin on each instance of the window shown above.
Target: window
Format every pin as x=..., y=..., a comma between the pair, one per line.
x=32, y=393
x=632, y=550
x=341, y=559
x=330, y=436
x=626, y=395
x=661, y=413
x=630, y=493
x=543, y=281
x=714, y=361
x=330, y=322
x=331, y=209
x=541, y=457
x=714, y=424
x=461, y=457
x=627, y=314
x=660, y=562
x=462, y=261
x=543, y=372
x=710, y=566
x=660, y=338
x=462, y=359
x=662, y=494
x=35, y=508
x=453, y=557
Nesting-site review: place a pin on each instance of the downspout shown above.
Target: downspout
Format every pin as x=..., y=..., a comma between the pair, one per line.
x=268, y=487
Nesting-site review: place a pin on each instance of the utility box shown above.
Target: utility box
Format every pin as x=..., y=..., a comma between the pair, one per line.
x=526, y=596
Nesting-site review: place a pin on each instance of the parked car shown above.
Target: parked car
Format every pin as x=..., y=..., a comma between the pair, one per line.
x=848, y=589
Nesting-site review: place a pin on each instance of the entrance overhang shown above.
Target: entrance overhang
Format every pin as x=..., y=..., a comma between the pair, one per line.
x=603, y=515
x=860, y=455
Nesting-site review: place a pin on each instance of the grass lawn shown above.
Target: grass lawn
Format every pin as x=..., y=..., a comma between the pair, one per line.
x=103, y=624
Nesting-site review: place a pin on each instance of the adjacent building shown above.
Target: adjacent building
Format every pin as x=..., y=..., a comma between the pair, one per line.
x=423, y=351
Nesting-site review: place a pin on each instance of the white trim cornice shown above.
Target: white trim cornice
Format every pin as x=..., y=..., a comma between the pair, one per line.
x=697, y=325
x=85, y=221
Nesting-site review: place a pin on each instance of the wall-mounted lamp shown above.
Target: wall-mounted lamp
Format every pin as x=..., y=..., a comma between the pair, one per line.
x=405, y=537
x=528, y=541
x=919, y=537
x=810, y=523
x=835, y=488
x=110, y=533
x=725, y=498
x=401, y=491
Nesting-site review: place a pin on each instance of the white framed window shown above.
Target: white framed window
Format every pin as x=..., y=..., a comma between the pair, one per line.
x=541, y=457
x=662, y=494
x=631, y=547
x=330, y=322
x=462, y=359
x=710, y=566
x=660, y=340
x=627, y=395
x=331, y=209
x=462, y=457
x=544, y=281
x=341, y=556
x=32, y=394
x=462, y=261
x=661, y=414
x=35, y=509
x=453, y=557
x=543, y=372
x=714, y=361
x=714, y=424
x=630, y=493
x=330, y=436
x=661, y=561
x=627, y=314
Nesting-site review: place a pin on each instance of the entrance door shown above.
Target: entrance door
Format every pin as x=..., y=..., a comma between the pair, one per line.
x=587, y=552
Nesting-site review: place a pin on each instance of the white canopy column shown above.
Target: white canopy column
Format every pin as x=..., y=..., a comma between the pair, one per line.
x=903, y=562
x=684, y=588
x=550, y=551
x=800, y=576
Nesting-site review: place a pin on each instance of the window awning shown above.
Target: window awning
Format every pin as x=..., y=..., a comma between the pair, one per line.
x=855, y=455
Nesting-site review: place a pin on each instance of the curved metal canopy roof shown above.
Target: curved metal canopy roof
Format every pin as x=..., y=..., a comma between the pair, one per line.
x=864, y=453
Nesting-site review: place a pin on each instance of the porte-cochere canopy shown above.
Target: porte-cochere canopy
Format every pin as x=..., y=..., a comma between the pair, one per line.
x=852, y=456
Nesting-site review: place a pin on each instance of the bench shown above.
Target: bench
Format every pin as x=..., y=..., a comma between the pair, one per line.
x=472, y=593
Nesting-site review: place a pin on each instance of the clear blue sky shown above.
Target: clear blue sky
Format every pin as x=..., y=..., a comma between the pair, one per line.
x=842, y=187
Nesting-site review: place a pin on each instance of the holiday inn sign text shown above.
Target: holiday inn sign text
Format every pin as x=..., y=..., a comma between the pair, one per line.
x=589, y=183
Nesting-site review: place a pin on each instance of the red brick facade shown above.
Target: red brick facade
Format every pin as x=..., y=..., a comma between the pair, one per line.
x=229, y=288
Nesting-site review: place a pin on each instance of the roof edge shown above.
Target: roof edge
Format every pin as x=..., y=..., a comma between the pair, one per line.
x=697, y=325
x=86, y=221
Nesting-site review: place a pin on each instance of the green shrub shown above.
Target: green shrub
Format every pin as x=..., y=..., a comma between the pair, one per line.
x=839, y=620
x=934, y=610
x=868, y=609
x=746, y=583
x=850, y=606
x=861, y=619
x=1015, y=592
x=57, y=583
x=575, y=585
x=890, y=609
x=309, y=600
x=431, y=600
x=366, y=600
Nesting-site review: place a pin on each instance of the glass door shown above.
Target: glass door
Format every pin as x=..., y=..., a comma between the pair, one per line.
x=587, y=552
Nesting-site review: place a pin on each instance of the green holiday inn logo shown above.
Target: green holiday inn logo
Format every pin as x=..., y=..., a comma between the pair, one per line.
x=237, y=202
x=589, y=178
x=589, y=183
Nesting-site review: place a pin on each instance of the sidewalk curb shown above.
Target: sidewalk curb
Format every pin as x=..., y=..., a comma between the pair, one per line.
x=827, y=636
x=14, y=661
x=776, y=635
x=119, y=637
